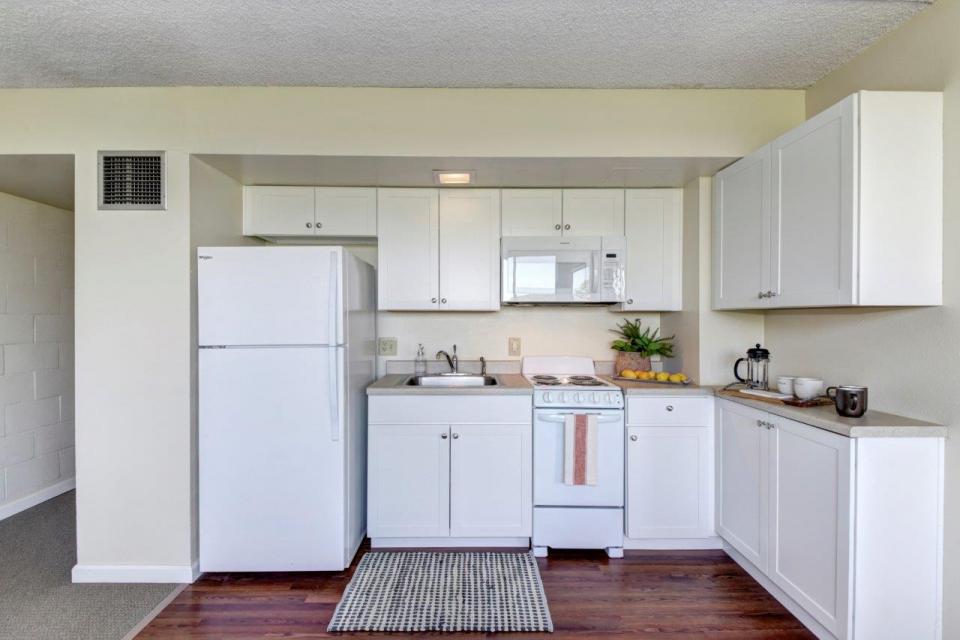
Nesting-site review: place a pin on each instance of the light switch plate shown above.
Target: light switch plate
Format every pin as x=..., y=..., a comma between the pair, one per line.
x=513, y=346
x=387, y=346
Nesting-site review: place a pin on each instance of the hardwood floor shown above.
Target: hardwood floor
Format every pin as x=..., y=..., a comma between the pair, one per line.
x=648, y=594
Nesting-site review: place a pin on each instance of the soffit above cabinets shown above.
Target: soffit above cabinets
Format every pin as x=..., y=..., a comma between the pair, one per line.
x=42, y=178
x=371, y=171
x=424, y=43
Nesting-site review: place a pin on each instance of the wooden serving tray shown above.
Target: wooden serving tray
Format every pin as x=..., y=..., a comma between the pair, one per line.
x=678, y=384
x=795, y=402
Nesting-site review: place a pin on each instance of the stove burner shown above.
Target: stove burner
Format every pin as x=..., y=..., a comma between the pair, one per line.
x=546, y=378
x=548, y=383
x=580, y=381
x=580, y=378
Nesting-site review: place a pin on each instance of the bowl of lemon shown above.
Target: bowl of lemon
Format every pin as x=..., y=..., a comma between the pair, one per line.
x=658, y=377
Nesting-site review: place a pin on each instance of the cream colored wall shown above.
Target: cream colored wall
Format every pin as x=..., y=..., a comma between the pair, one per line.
x=710, y=341
x=910, y=358
x=133, y=269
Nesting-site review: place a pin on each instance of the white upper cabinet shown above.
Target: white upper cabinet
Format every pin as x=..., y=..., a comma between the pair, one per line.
x=532, y=212
x=850, y=214
x=278, y=211
x=408, y=272
x=469, y=249
x=346, y=211
x=741, y=219
x=593, y=212
x=653, y=223
x=310, y=211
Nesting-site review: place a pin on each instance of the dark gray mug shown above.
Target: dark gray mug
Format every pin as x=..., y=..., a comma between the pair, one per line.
x=851, y=401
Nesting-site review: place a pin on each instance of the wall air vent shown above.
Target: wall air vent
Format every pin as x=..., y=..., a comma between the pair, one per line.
x=131, y=180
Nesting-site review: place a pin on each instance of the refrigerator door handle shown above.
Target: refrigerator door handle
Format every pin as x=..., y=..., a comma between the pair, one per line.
x=334, y=395
x=333, y=308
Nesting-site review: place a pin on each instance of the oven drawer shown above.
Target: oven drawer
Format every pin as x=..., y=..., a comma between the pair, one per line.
x=667, y=411
x=548, y=486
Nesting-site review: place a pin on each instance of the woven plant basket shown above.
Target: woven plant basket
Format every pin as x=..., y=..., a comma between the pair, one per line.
x=632, y=361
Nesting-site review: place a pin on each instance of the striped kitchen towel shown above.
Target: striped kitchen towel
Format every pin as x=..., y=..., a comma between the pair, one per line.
x=580, y=449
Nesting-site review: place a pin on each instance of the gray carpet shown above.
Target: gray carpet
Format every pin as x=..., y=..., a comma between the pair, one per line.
x=37, y=599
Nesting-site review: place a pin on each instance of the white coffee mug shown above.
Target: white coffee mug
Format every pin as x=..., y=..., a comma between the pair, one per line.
x=808, y=388
x=785, y=384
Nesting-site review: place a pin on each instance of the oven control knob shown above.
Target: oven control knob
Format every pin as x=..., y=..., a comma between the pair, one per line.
x=579, y=397
x=547, y=396
x=563, y=397
x=593, y=398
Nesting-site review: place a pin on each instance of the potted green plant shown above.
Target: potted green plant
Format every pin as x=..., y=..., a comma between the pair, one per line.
x=637, y=345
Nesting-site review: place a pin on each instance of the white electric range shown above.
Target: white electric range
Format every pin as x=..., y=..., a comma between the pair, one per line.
x=567, y=516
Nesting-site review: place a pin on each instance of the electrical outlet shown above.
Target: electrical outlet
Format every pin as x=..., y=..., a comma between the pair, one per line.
x=387, y=346
x=513, y=346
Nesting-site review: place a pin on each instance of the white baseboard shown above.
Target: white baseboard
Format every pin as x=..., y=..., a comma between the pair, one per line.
x=789, y=603
x=426, y=543
x=32, y=500
x=667, y=544
x=126, y=573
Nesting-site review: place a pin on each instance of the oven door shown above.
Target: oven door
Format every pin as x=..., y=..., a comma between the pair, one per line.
x=549, y=489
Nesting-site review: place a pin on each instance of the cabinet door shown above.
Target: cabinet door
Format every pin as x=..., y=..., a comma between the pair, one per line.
x=653, y=221
x=593, y=212
x=532, y=212
x=408, y=480
x=470, y=249
x=741, y=233
x=812, y=259
x=810, y=520
x=669, y=482
x=346, y=212
x=408, y=240
x=742, y=480
x=491, y=490
x=278, y=211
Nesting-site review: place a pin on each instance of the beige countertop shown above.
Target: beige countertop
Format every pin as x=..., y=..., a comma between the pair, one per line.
x=873, y=424
x=508, y=384
x=659, y=389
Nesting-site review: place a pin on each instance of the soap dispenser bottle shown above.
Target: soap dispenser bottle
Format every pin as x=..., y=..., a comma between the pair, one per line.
x=420, y=362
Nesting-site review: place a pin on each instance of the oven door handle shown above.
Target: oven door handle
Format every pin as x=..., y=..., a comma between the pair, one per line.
x=560, y=417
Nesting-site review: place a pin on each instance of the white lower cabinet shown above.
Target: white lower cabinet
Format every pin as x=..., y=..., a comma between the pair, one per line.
x=432, y=475
x=669, y=472
x=823, y=519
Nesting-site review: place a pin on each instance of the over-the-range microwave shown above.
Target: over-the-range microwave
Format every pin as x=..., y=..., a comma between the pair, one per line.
x=563, y=270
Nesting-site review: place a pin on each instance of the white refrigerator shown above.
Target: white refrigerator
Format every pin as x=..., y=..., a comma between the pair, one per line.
x=286, y=350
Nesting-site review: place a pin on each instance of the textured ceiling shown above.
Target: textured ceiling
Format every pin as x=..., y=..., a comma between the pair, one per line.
x=437, y=43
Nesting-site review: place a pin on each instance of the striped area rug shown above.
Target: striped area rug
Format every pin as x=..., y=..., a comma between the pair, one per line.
x=417, y=591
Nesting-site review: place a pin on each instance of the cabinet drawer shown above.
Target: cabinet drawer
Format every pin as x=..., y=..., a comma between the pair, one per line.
x=666, y=410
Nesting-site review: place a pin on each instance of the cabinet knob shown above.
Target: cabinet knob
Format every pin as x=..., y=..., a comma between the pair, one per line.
x=669, y=407
x=456, y=436
x=443, y=436
x=433, y=299
x=630, y=301
x=772, y=294
x=557, y=227
x=761, y=295
x=633, y=438
x=567, y=227
x=309, y=226
x=319, y=225
x=443, y=300
x=759, y=423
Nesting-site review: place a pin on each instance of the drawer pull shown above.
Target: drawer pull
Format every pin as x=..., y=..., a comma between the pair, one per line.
x=633, y=438
x=669, y=407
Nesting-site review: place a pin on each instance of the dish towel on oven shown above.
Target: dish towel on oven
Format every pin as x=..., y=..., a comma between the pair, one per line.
x=580, y=449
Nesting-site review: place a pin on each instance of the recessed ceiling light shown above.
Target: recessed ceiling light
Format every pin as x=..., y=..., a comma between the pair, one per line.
x=454, y=177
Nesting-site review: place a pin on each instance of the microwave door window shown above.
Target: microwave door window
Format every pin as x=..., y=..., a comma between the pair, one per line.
x=534, y=276
x=578, y=277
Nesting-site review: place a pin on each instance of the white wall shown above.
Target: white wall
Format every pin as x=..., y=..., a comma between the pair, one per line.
x=135, y=499
x=36, y=352
x=910, y=358
x=710, y=341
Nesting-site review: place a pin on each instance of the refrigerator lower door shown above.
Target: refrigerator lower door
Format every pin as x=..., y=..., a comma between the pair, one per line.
x=270, y=296
x=271, y=481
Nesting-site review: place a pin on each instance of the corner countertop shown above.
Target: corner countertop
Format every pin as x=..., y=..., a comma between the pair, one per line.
x=658, y=389
x=873, y=424
x=509, y=384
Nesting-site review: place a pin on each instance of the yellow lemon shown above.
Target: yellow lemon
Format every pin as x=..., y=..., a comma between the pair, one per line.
x=644, y=375
x=663, y=376
x=628, y=373
x=677, y=378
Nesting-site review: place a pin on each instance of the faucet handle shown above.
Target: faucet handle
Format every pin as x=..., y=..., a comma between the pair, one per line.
x=454, y=349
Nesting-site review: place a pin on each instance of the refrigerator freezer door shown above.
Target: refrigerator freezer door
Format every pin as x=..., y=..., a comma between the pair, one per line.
x=271, y=483
x=270, y=296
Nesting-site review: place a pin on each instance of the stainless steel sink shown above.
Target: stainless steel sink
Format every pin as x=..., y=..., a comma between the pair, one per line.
x=452, y=380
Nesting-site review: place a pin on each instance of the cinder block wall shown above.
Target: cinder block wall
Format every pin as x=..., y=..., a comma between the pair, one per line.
x=36, y=352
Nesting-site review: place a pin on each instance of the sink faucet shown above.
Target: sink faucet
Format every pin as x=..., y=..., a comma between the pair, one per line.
x=452, y=361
